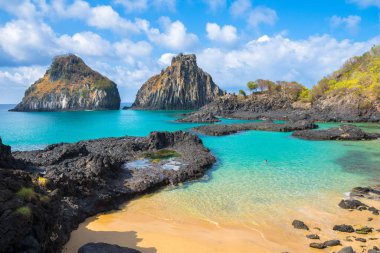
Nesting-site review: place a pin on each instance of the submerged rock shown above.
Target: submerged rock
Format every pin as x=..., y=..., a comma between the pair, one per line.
x=181, y=86
x=69, y=84
x=350, y=204
x=317, y=245
x=342, y=133
x=332, y=243
x=105, y=248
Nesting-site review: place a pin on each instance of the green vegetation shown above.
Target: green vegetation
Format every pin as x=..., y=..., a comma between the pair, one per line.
x=103, y=84
x=24, y=211
x=161, y=155
x=26, y=193
x=359, y=75
x=252, y=86
x=242, y=93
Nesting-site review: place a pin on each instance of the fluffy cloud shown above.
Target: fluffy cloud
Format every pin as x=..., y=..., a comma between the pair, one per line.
x=280, y=58
x=351, y=23
x=166, y=59
x=101, y=17
x=26, y=41
x=366, y=3
x=256, y=16
x=174, y=35
x=226, y=34
x=85, y=44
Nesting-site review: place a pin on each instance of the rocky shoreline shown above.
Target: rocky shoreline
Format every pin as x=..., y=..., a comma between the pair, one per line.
x=362, y=234
x=342, y=133
x=227, y=129
x=45, y=194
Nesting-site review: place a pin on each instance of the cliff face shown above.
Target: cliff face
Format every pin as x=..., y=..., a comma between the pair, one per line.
x=69, y=84
x=183, y=85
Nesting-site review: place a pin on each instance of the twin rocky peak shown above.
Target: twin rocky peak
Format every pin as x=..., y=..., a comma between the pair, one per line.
x=69, y=84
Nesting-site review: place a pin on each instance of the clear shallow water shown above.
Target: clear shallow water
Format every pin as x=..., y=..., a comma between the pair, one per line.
x=241, y=184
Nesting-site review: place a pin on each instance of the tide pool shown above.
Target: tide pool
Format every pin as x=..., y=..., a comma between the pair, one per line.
x=241, y=185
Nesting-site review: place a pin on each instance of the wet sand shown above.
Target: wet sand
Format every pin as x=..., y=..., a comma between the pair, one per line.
x=138, y=225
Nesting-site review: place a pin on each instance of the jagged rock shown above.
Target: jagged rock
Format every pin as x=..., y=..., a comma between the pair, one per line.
x=344, y=228
x=69, y=84
x=105, y=248
x=85, y=178
x=227, y=129
x=299, y=225
x=350, y=204
x=200, y=118
x=343, y=133
x=6, y=158
x=181, y=86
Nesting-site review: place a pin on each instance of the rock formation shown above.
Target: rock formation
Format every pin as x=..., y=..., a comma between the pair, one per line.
x=341, y=133
x=55, y=189
x=181, y=86
x=69, y=84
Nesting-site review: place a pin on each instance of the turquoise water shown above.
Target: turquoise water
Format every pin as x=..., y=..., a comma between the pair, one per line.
x=241, y=184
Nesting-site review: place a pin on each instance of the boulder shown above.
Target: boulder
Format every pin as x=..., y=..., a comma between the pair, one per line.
x=105, y=248
x=299, y=225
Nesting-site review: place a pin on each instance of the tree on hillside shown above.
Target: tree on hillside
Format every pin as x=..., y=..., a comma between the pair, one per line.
x=264, y=85
x=252, y=86
x=241, y=92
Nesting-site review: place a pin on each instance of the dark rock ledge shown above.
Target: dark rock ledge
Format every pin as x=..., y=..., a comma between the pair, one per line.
x=45, y=194
x=227, y=129
x=343, y=133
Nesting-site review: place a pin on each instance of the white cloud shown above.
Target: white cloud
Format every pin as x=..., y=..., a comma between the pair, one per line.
x=262, y=15
x=174, y=35
x=215, y=4
x=85, y=44
x=14, y=81
x=101, y=17
x=366, y=3
x=166, y=59
x=351, y=23
x=240, y=7
x=25, y=41
x=226, y=34
x=280, y=58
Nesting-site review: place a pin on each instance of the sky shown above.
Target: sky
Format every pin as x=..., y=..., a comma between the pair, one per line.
x=235, y=40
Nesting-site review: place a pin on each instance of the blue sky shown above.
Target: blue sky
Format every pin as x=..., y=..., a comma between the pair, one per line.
x=235, y=40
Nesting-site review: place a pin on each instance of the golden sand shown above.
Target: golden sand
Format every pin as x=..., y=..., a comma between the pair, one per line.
x=151, y=230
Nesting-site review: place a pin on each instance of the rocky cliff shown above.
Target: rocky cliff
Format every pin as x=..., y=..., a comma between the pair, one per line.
x=69, y=84
x=183, y=85
x=352, y=93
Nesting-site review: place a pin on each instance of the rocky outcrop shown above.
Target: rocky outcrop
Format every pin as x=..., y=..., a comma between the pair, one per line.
x=69, y=84
x=63, y=184
x=6, y=159
x=200, y=118
x=105, y=248
x=227, y=129
x=342, y=133
x=181, y=86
